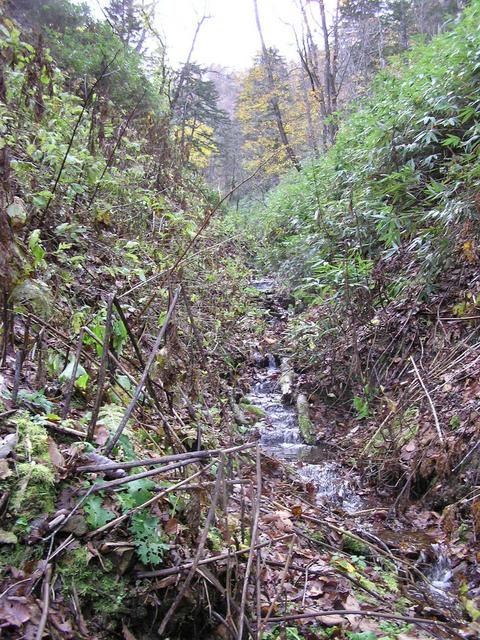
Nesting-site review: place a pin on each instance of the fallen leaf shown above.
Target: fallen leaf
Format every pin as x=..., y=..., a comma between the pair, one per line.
x=56, y=457
x=15, y=613
x=4, y=470
x=8, y=444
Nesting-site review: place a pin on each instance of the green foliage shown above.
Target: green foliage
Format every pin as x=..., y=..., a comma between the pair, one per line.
x=150, y=542
x=362, y=407
x=402, y=175
x=96, y=514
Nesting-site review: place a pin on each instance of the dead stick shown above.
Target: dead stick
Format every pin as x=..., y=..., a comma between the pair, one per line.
x=199, y=552
x=73, y=377
x=248, y=568
x=18, y=372
x=145, y=474
x=146, y=462
x=103, y=369
x=196, y=333
x=46, y=603
x=39, y=378
x=149, y=384
x=65, y=430
x=373, y=614
x=430, y=401
x=286, y=567
x=156, y=498
x=146, y=371
x=162, y=573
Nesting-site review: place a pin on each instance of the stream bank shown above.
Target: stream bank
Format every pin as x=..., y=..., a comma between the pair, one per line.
x=365, y=531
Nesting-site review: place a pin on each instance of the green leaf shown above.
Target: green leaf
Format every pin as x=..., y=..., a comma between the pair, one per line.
x=97, y=515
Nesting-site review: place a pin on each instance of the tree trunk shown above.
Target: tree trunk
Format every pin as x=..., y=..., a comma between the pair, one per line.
x=274, y=100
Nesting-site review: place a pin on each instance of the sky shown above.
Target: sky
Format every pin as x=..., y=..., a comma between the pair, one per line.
x=229, y=38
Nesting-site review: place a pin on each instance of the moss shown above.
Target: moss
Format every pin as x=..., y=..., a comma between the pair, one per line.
x=354, y=546
x=100, y=591
x=32, y=438
x=252, y=409
x=304, y=423
x=18, y=555
x=35, y=489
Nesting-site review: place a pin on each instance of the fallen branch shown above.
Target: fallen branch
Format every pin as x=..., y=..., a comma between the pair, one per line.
x=45, y=603
x=432, y=406
x=163, y=573
x=147, y=462
x=146, y=371
x=144, y=474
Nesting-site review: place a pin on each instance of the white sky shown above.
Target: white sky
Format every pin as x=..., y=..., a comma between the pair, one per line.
x=229, y=38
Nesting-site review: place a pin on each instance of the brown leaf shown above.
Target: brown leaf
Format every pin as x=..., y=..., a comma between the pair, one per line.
x=56, y=457
x=128, y=635
x=4, y=470
x=101, y=434
x=14, y=612
x=171, y=526
x=297, y=511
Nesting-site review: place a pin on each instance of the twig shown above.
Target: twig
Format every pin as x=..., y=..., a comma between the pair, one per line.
x=146, y=371
x=435, y=417
x=65, y=430
x=199, y=552
x=248, y=568
x=163, y=573
x=18, y=372
x=103, y=369
x=373, y=614
x=73, y=377
x=153, y=500
x=146, y=462
x=46, y=603
x=145, y=474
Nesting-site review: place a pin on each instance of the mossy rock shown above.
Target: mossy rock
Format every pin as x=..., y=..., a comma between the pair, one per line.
x=35, y=489
x=32, y=438
x=304, y=423
x=355, y=547
x=33, y=485
x=252, y=410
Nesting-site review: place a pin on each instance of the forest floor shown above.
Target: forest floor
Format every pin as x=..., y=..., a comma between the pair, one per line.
x=352, y=543
x=297, y=540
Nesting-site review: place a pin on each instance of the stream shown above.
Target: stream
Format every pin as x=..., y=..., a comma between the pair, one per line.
x=280, y=438
x=331, y=483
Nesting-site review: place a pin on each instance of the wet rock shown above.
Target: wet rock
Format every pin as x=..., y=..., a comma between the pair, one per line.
x=304, y=422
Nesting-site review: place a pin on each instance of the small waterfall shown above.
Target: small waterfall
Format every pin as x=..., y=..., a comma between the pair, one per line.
x=440, y=573
x=280, y=437
x=272, y=365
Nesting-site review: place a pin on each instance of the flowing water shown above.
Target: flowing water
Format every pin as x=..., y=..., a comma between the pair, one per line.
x=281, y=438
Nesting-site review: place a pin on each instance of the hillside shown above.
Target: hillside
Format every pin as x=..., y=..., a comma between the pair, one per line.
x=239, y=394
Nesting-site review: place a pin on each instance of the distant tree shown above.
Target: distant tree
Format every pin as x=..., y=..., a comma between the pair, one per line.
x=263, y=92
x=128, y=18
x=196, y=116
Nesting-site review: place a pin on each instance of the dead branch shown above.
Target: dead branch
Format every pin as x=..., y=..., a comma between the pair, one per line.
x=148, y=366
